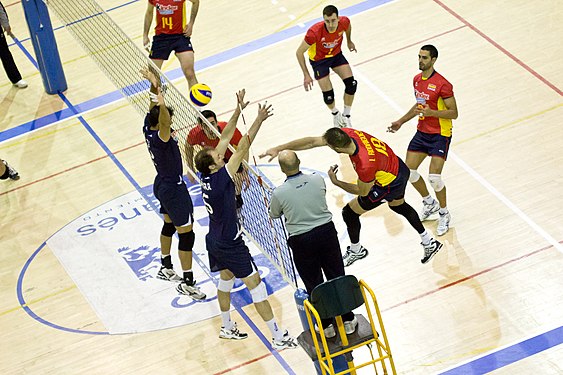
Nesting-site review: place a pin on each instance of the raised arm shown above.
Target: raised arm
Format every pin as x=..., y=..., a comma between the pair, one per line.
x=307, y=80
x=296, y=145
x=147, y=25
x=360, y=188
x=231, y=126
x=264, y=111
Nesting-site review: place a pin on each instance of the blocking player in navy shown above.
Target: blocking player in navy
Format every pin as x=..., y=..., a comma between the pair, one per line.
x=227, y=251
x=170, y=190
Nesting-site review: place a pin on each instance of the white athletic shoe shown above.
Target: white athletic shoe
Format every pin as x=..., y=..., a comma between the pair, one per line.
x=352, y=256
x=346, y=121
x=12, y=173
x=329, y=331
x=430, y=250
x=21, y=84
x=286, y=342
x=443, y=224
x=232, y=334
x=337, y=120
x=350, y=327
x=190, y=290
x=429, y=209
x=168, y=274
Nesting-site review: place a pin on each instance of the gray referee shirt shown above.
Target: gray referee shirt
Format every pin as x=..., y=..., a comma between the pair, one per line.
x=301, y=199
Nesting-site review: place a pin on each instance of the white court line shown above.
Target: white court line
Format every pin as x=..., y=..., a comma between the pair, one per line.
x=468, y=169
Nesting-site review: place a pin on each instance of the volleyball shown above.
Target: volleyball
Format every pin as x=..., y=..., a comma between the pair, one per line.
x=200, y=94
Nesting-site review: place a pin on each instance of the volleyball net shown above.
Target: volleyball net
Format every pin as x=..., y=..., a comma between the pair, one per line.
x=121, y=60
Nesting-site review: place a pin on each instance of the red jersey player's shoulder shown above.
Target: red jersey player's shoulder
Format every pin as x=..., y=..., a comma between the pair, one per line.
x=314, y=32
x=194, y=136
x=344, y=22
x=446, y=88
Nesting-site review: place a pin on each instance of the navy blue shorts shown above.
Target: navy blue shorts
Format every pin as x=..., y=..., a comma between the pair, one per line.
x=230, y=255
x=430, y=144
x=322, y=67
x=164, y=44
x=380, y=194
x=175, y=201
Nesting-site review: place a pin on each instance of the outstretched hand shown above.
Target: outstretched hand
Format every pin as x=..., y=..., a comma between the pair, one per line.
x=148, y=74
x=271, y=152
x=264, y=111
x=240, y=99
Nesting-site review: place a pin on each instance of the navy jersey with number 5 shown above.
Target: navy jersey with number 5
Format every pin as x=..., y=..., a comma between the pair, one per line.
x=165, y=155
x=218, y=191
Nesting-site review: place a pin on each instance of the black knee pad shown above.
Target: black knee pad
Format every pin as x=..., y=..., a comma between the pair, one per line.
x=328, y=96
x=186, y=242
x=239, y=200
x=351, y=85
x=349, y=215
x=168, y=229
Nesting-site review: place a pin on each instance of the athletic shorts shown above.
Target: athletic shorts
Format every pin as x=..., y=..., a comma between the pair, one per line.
x=430, y=144
x=175, y=201
x=322, y=67
x=380, y=194
x=230, y=255
x=164, y=44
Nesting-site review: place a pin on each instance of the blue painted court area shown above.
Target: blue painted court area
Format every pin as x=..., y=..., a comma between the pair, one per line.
x=481, y=365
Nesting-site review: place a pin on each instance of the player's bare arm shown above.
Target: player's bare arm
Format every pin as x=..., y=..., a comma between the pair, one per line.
x=188, y=29
x=229, y=130
x=351, y=45
x=307, y=80
x=360, y=188
x=396, y=125
x=155, y=84
x=147, y=25
x=296, y=145
x=264, y=111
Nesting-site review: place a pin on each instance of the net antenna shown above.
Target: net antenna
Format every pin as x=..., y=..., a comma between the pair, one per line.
x=120, y=59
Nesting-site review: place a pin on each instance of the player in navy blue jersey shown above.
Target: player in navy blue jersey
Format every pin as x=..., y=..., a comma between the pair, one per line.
x=170, y=190
x=227, y=251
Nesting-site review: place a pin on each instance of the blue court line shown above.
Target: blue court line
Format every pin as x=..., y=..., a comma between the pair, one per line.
x=205, y=63
x=511, y=354
x=481, y=365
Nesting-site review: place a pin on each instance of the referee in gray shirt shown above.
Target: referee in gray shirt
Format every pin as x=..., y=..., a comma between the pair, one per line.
x=312, y=235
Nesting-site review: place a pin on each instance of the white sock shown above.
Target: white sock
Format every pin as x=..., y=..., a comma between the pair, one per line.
x=335, y=111
x=226, y=319
x=425, y=237
x=275, y=329
x=346, y=111
x=443, y=211
x=428, y=199
x=355, y=247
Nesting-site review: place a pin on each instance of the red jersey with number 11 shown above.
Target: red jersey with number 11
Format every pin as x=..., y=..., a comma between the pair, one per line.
x=373, y=160
x=170, y=16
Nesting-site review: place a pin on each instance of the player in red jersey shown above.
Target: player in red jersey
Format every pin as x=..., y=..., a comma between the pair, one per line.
x=436, y=108
x=203, y=136
x=171, y=34
x=382, y=177
x=323, y=43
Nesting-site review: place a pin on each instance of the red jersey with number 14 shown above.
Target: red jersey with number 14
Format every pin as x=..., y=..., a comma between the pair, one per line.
x=324, y=44
x=434, y=90
x=373, y=160
x=170, y=16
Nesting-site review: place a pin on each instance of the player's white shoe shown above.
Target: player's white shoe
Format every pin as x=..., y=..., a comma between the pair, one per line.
x=443, y=224
x=430, y=250
x=429, y=209
x=286, y=342
x=168, y=274
x=232, y=334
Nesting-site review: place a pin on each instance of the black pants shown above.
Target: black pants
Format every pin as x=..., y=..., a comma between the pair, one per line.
x=8, y=61
x=315, y=252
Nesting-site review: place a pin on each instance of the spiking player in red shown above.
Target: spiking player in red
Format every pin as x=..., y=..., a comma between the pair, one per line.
x=436, y=108
x=323, y=43
x=171, y=34
x=382, y=177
